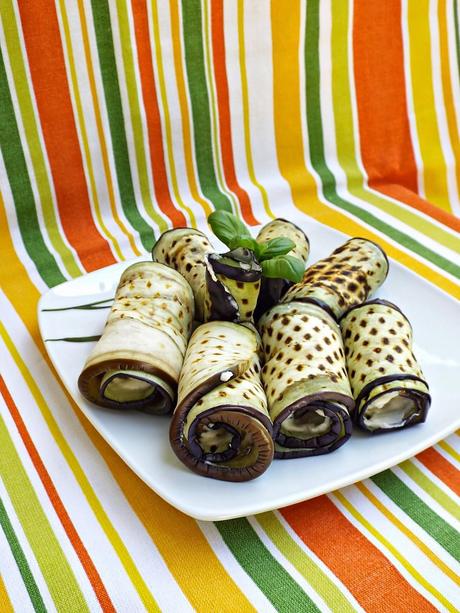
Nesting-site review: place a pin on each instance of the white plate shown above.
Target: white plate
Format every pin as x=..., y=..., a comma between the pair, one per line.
x=142, y=440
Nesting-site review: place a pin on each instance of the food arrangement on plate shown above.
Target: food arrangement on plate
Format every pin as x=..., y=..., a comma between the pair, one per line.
x=255, y=356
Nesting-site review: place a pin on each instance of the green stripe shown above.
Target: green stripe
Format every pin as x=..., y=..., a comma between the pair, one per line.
x=199, y=98
x=431, y=488
x=51, y=559
x=457, y=34
x=23, y=196
x=21, y=561
x=135, y=110
x=308, y=568
x=317, y=157
x=418, y=511
x=274, y=581
x=106, y=52
x=347, y=150
x=22, y=88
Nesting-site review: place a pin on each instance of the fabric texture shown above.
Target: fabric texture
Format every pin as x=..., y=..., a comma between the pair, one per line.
x=120, y=119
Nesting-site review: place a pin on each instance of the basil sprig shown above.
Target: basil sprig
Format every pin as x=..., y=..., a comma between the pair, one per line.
x=272, y=255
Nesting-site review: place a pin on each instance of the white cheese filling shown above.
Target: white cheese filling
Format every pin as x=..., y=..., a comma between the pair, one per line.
x=389, y=411
x=133, y=386
x=307, y=425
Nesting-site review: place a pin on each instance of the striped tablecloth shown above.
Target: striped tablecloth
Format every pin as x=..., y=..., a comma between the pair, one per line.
x=119, y=119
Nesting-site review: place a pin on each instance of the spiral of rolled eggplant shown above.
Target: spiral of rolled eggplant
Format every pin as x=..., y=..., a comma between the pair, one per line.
x=137, y=361
x=185, y=250
x=220, y=427
x=305, y=379
x=272, y=290
x=233, y=284
x=387, y=382
x=351, y=274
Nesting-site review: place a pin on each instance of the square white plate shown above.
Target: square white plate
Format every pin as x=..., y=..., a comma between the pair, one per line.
x=142, y=440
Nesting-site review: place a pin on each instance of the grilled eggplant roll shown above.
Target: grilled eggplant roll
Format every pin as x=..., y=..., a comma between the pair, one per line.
x=185, y=250
x=272, y=290
x=220, y=427
x=305, y=379
x=389, y=387
x=233, y=284
x=137, y=361
x=346, y=278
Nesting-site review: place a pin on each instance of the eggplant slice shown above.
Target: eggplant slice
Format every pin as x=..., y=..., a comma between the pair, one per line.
x=272, y=290
x=220, y=427
x=137, y=361
x=233, y=284
x=390, y=389
x=185, y=250
x=305, y=379
x=351, y=274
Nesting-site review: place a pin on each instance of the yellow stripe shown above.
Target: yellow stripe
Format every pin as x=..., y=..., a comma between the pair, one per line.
x=213, y=106
x=289, y=145
x=449, y=105
x=434, y=167
x=5, y=602
x=83, y=133
x=450, y=450
x=186, y=129
x=399, y=524
x=165, y=525
x=100, y=129
x=167, y=119
x=246, y=117
x=401, y=559
x=66, y=451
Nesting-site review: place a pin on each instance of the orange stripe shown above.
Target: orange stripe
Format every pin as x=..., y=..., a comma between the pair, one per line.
x=225, y=129
x=440, y=467
x=90, y=570
x=363, y=569
x=386, y=145
x=152, y=111
x=47, y=68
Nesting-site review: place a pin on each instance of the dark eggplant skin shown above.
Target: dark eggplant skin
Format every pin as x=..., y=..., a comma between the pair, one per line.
x=220, y=393
x=386, y=379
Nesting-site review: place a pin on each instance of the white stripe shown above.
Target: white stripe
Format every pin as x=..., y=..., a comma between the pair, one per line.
x=435, y=480
x=89, y=127
x=286, y=564
x=125, y=522
x=234, y=569
x=16, y=237
x=39, y=490
x=416, y=559
x=448, y=456
x=29, y=163
x=426, y=498
x=26, y=548
x=441, y=118
x=14, y=584
x=128, y=124
x=316, y=560
x=410, y=99
x=412, y=526
x=330, y=148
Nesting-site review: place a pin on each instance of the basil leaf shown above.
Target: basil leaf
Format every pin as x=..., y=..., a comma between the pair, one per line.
x=283, y=267
x=228, y=228
x=277, y=246
x=246, y=241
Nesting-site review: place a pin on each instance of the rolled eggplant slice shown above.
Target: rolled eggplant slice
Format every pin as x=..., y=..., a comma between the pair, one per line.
x=390, y=389
x=220, y=427
x=137, y=361
x=233, y=284
x=305, y=379
x=185, y=250
x=272, y=290
x=351, y=274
